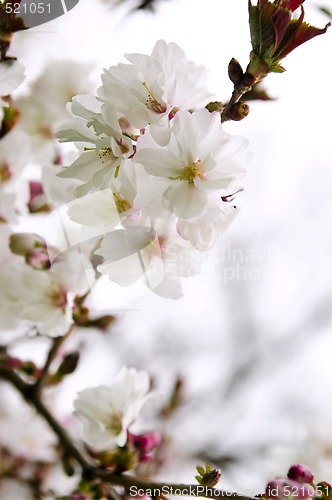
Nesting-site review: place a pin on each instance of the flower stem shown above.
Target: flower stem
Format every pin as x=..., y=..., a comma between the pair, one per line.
x=238, y=92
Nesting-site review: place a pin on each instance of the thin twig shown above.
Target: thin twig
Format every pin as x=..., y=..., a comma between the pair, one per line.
x=57, y=343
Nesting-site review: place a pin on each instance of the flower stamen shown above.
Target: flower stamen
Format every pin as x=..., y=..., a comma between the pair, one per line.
x=191, y=171
x=152, y=103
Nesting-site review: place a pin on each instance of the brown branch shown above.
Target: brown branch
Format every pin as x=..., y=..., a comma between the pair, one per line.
x=57, y=343
x=131, y=484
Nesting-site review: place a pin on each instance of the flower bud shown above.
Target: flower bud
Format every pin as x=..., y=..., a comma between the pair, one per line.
x=238, y=111
x=144, y=444
x=208, y=476
x=212, y=478
x=38, y=259
x=235, y=71
x=300, y=473
x=37, y=202
x=287, y=489
x=23, y=243
x=32, y=247
x=68, y=365
x=274, y=34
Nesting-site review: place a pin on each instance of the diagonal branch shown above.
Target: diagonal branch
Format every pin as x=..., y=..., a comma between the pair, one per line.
x=130, y=484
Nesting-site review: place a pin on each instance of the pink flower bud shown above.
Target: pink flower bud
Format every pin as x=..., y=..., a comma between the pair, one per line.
x=300, y=473
x=36, y=189
x=24, y=243
x=145, y=443
x=288, y=489
x=38, y=259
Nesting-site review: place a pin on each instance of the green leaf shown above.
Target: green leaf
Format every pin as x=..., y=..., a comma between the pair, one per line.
x=200, y=470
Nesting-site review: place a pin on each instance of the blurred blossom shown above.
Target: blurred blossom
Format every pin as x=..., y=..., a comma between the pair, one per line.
x=22, y=432
x=48, y=305
x=45, y=105
x=281, y=489
x=14, y=189
x=108, y=412
x=11, y=76
x=10, y=488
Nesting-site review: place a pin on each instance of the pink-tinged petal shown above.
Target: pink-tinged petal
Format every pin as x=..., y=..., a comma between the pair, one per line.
x=187, y=201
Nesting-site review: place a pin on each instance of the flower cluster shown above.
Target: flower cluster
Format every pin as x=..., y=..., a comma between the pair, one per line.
x=156, y=166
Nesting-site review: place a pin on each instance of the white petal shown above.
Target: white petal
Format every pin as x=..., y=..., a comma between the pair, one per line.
x=187, y=201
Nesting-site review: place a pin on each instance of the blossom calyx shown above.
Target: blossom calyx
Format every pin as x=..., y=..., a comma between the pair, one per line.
x=274, y=34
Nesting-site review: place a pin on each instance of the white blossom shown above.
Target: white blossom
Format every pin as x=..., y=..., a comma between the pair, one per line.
x=42, y=298
x=151, y=251
x=200, y=161
x=106, y=148
x=204, y=230
x=14, y=189
x=151, y=87
x=107, y=412
x=44, y=108
x=11, y=76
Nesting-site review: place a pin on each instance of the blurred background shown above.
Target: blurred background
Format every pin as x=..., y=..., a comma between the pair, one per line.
x=248, y=348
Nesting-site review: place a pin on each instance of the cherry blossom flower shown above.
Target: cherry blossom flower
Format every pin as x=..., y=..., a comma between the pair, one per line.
x=44, y=108
x=14, y=189
x=152, y=87
x=151, y=251
x=106, y=146
x=48, y=305
x=204, y=230
x=107, y=412
x=200, y=160
x=11, y=76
